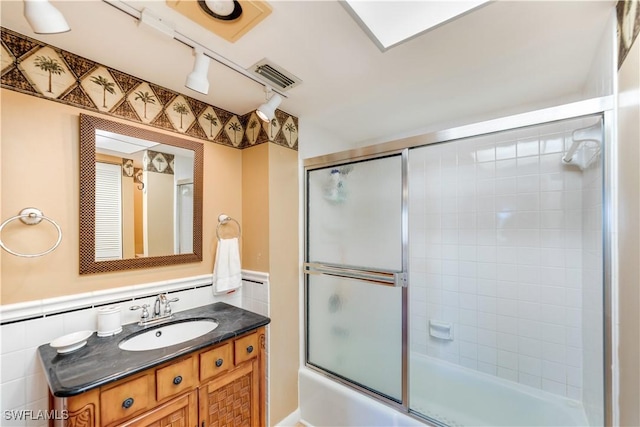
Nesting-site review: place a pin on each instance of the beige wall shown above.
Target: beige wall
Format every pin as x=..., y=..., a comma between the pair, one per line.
x=629, y=236
x=284, y=279
x=40, y=168
x=255, y=207
x=270, y=212
x=157, y=217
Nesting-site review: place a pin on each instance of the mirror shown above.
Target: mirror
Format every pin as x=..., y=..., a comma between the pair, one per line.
x=140, y=197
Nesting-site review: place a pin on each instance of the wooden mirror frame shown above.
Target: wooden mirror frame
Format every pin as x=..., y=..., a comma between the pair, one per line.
x=88, y=264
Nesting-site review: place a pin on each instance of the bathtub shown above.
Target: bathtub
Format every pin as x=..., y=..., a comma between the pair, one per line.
x=437, y=390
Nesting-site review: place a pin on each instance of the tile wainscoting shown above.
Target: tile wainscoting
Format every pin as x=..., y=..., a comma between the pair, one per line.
x=26, y=326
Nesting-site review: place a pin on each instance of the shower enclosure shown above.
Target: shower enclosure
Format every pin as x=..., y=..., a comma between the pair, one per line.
x=461, y=280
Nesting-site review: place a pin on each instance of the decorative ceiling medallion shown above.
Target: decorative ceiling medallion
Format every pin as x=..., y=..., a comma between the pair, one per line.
x=252, y=12
x=212, y=9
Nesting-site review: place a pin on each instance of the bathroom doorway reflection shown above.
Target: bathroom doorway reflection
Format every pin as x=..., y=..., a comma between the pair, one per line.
x=506, y=277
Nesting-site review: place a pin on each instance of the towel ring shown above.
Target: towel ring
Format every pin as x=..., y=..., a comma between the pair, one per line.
x=31, y=216
x=222, y=220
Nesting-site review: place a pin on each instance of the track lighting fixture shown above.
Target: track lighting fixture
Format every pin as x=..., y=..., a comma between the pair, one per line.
x=44, y=18
x=197, y=79
x=267, y=110
x=200, y=82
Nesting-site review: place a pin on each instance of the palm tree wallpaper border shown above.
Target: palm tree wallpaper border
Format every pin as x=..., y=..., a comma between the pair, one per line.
x=33, y=67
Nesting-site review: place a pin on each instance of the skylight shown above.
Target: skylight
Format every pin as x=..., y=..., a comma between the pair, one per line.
x=121, y=143
x=389, y=23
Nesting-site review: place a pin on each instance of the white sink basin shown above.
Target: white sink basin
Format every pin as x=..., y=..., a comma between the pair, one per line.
x=167, y=335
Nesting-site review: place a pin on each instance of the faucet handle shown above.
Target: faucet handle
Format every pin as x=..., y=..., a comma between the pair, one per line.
x=145, y=312
x=167, y=306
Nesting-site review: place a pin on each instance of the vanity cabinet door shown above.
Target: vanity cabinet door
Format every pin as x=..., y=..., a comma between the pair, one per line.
x=83, y=409
x=181, y=411
x=232, y=399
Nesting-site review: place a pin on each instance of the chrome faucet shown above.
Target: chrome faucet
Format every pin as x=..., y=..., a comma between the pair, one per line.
x=160, y=300
x=161, y=310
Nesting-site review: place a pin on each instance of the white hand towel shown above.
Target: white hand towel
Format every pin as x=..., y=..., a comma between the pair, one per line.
x=227, y=276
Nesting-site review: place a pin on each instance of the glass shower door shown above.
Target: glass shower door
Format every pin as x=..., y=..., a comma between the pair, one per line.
x=355, y=273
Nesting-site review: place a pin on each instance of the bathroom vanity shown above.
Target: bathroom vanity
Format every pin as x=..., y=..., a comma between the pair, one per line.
x=216, y=379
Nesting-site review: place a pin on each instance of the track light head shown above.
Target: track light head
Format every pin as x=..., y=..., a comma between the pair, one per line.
x=44, y=18
x=267, y=110
x=197, y=80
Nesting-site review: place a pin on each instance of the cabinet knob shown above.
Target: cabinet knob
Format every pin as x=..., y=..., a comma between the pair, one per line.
x=250, y=349
x=219, y=362
x=177, y=380
x=127, y=403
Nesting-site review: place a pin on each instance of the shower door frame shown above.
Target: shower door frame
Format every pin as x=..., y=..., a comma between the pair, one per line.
x=603, y=106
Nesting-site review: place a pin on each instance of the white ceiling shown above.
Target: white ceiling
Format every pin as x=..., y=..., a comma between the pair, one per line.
x=504, y=57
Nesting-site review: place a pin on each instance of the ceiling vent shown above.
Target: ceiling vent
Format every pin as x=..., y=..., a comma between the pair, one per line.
x=276, y=76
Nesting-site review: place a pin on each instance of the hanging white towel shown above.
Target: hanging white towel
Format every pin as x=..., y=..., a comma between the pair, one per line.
x=227, y=276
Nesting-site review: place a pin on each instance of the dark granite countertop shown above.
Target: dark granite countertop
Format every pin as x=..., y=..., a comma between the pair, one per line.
x=101, y=361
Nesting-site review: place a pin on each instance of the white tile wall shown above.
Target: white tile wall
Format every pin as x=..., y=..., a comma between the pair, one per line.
x=255, y=297
x=23, y=385
x=505, y=245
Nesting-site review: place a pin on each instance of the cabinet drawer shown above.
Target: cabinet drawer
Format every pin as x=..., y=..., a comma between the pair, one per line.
x=176, y=378
x=125, y=399
x=246, y=348
x=216, y=361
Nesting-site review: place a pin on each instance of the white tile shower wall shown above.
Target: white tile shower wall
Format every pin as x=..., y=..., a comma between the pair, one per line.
x=496, y=238
x=23, y=386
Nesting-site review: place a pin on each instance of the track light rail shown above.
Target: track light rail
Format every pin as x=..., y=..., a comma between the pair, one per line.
x=135, y=13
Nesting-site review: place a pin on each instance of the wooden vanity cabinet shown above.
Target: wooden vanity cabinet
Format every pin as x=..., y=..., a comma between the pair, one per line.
x=181, y=411
x=221, y=385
